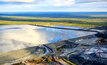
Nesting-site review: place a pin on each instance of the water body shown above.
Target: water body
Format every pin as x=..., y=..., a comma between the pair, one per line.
x=15, y=37
x=56, y=14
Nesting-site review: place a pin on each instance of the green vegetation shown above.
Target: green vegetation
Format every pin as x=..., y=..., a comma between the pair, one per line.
x=60, y=48
x=79, y=22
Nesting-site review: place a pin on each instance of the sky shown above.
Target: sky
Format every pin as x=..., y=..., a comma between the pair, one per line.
x=53, y=5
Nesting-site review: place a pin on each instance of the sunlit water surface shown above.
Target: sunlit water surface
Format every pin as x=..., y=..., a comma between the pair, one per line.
x=14, y=37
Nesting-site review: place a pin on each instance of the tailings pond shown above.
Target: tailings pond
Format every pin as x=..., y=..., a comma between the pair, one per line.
x=14, y=37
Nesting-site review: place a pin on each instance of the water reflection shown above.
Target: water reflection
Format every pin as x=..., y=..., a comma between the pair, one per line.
x=14, y=37
x=1, y=29
x=54, y=35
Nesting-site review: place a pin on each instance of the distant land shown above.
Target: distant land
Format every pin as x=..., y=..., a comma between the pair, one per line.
x=77, y=19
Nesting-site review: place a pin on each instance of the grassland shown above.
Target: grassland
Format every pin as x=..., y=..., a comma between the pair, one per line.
x=78, y=22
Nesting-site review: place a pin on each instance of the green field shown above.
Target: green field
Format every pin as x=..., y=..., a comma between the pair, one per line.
x=78, y=22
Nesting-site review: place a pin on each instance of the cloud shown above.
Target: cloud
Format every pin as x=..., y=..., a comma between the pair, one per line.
x=92, y=6
x=17, y=0
x=53, y=5
x=90, y=1
x=64, y=2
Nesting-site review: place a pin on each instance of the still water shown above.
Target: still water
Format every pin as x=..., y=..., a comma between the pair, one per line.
x=14, y=37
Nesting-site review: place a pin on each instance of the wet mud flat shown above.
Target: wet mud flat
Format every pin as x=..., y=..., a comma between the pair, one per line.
x=21, y=55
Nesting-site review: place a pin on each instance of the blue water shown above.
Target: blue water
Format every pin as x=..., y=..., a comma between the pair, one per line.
x=14, y=37
x=56, y=14
x=55, y=35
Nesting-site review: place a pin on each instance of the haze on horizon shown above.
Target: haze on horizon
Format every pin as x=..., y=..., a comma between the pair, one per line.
x=53, y=5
